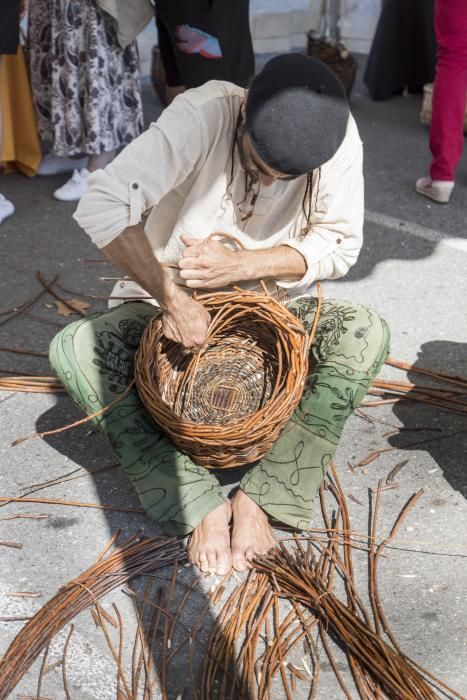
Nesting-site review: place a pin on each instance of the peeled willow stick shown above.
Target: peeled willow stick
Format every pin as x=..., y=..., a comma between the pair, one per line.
x=78, y=504
x=32, y=384
x=21, y=351
x=407, y=367
x=77, y=422
x=78, y=595
x=447, y=402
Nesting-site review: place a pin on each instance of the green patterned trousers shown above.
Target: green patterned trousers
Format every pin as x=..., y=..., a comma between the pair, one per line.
x=93, y=358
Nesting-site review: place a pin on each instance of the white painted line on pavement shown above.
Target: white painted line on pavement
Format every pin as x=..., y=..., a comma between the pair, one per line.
x=429, y=234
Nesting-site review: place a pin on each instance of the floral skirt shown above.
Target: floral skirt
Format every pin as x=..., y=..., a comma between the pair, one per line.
x=86, y=89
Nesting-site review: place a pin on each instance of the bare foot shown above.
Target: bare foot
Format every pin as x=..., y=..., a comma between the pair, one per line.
x=251, y=534
x=209, y=546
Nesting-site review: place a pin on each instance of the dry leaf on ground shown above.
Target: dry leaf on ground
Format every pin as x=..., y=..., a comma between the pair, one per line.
x=65, y=310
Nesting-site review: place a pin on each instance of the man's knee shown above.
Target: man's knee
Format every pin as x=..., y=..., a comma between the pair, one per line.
x=353, y=335
x=374, y=332
x=343, y=323
x=62, y=355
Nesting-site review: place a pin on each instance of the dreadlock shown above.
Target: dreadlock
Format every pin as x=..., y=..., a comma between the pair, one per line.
x=250, y=182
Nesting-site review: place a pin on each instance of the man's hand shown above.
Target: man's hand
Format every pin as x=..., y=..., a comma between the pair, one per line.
x=185, y=321
x=209, y=264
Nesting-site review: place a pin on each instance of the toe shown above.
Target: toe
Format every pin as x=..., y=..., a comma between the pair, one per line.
x=239, y=562
x=202, y=562
x=211, y=556
x=224, y=562
x=250, y=554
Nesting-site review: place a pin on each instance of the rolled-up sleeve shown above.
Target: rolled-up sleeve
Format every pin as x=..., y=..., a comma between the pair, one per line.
x=335, y=239
x=151, y=166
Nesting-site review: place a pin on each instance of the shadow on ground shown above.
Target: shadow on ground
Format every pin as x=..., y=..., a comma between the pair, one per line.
x=179, y=668
x=448, y=445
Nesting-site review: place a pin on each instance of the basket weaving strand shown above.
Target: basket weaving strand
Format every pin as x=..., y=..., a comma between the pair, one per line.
x=226, y=405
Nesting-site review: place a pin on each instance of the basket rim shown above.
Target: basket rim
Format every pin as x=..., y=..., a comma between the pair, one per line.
x=262, y=416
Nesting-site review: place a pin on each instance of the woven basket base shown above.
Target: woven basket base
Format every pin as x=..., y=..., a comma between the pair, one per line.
x=234, y=379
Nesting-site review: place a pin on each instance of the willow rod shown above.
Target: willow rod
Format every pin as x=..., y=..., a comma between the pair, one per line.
x=78, y=595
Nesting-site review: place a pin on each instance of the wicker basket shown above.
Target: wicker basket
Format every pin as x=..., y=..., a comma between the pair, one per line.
x=425, y=113
x=226, y=405
x=336, y=57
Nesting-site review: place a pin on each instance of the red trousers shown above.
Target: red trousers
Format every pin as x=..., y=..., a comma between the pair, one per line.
x=449, y=93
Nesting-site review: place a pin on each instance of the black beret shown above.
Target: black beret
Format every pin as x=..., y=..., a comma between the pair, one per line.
x=296, y=113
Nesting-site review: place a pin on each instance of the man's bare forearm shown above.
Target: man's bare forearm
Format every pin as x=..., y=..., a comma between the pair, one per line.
x=210, y=264
x=280, y=262
x=133, y=255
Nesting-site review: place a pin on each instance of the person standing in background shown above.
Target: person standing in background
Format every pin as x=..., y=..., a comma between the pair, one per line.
x=9, y=38
x=201, y=40
x=86, y=87
x=449, y=99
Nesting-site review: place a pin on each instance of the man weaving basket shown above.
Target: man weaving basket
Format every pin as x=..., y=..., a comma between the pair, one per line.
x=280, y=168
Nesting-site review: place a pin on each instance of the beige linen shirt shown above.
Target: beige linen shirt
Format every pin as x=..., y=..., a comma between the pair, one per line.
x=178, y=177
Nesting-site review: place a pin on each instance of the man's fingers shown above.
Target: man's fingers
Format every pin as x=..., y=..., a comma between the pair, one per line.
x=193, y=263
x=187, y=325
x=200, y=284
x=191, y=252
x=195, y=340
x=188, y=240
x=194, y=275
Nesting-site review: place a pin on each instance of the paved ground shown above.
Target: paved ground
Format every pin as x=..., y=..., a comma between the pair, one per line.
x=412, y=270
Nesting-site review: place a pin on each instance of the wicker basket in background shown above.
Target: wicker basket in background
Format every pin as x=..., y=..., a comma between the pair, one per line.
x=226, y=405
x=425, y=113
x=335, y=56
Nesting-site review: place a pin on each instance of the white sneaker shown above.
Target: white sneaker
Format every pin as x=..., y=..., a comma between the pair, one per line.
x=437, y=190
x=74, y=189
x=7, y=208
x=56, y=165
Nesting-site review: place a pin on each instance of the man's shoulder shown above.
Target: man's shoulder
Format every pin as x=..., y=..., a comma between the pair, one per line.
x=215, y=94
x=350, y=147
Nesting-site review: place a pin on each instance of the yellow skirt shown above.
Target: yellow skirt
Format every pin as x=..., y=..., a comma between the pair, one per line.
x=21, y=147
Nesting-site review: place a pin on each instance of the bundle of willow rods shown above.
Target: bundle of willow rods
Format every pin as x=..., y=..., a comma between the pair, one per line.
x=452, y=396
x=298, y=576
x=226, y=405
x=252, y=638
x=251, y=643
x=79, y=594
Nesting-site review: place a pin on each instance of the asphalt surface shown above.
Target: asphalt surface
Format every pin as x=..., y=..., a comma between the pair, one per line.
x=412, y=270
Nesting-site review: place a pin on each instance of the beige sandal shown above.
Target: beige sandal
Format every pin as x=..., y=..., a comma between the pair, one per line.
x=437, y=190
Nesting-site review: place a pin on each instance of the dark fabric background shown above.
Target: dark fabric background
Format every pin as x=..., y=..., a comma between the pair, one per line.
x=9, y=26
x=403, y=53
